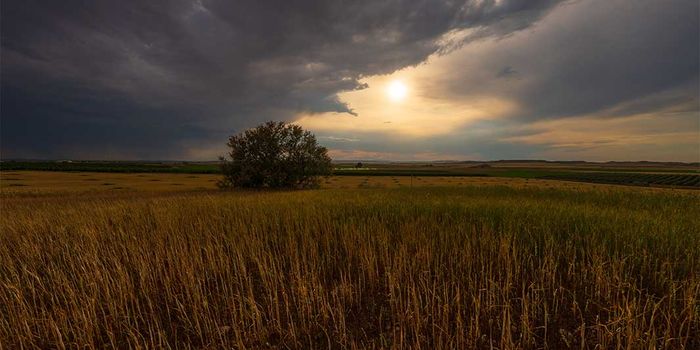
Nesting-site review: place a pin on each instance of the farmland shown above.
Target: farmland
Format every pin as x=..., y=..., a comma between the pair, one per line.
x=350, y=175
x=42, y=183
x=114, y=167
x=638, y=179
x=673, y=175
x=123, y=260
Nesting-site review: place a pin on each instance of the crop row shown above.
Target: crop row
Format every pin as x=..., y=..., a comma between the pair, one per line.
x=679, y=180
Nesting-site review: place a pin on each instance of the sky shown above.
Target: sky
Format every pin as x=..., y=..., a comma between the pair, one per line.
x=594, y=80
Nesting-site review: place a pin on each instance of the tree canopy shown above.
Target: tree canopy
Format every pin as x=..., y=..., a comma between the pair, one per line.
x=275, y=155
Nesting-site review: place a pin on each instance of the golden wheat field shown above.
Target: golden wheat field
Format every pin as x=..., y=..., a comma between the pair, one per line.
x=93, y=261
x=49, y=182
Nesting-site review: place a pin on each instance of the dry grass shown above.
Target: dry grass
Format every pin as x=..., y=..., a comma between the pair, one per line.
x=44, y=182
x=41, y=183
x=448, y=267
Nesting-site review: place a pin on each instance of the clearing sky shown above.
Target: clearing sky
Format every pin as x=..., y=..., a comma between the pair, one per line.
x=389, y=80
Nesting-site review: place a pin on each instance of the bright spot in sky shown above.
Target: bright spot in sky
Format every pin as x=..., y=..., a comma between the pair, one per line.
x=397, y=90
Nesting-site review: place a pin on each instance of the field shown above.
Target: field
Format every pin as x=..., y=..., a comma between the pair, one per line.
x=93, y=260
x=115, y=167
x=43, y=183
x=654, y=174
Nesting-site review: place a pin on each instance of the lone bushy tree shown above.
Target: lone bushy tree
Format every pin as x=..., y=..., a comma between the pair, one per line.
x=275, y=155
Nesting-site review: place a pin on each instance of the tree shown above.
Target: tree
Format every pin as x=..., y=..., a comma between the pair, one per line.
x=275, y=155
x=358, y=165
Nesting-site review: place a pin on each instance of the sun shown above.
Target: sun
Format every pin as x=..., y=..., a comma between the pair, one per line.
x=397, y=90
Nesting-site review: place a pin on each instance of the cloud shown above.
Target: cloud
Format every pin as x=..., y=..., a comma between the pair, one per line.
x=507, y=73
x=339, y=139
x=149, y=79
x=669, y=135
x=495, y=79
x=586, y=56
x=596, y=80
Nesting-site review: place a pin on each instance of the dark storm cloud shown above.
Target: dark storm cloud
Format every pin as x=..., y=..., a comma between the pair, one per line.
x=155, y=79
x=591, y=57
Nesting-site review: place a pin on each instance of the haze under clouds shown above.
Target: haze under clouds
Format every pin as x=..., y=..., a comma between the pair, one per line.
x=499, y=79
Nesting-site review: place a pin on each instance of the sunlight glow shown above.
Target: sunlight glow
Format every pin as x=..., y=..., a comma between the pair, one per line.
x=397, y=90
